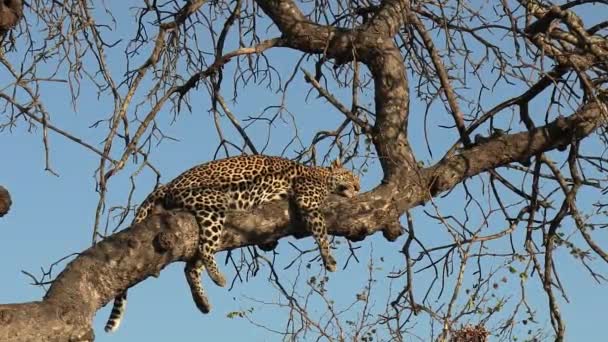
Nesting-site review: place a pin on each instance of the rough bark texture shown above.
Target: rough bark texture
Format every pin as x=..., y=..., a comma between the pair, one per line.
x=128, y=257
x=5, y=201
x=141, y=251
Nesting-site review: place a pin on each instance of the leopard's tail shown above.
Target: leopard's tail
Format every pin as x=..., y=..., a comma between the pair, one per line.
x=120, y=301
x=118, y=310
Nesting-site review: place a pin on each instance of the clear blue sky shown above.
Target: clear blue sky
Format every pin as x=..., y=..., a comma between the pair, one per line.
x=53, y=216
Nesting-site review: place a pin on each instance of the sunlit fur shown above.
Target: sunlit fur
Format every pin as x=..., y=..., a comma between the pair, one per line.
x=209, y=191
x=344, y=182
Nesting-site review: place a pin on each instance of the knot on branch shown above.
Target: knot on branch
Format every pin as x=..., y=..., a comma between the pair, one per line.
x=268, y=246
x=5, y=317
x=5, y=201
x=392, y=231
x=562, y=124
x=340, y=41
x=66, y=313
x=165, y=241
x=87, y=336
x=563, y=128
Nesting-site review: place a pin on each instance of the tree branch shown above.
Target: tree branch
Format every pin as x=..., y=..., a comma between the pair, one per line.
x=384, y=60
x=143, y=250
x=444, y=78
x=120, y=261
x=519, y=147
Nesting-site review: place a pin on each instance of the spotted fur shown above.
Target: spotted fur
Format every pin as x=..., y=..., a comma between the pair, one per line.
x=211, y=190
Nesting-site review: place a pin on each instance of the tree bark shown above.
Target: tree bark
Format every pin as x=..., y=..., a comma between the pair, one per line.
x=130, y=256
x=101, y=272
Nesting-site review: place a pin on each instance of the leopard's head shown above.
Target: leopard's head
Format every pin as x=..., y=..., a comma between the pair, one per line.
x=343, y=182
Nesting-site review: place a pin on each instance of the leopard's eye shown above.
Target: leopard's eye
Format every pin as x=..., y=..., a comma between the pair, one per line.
x=342, y=188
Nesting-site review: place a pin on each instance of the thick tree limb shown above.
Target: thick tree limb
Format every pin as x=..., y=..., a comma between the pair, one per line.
x=518, y=147
x=90, y=281
x=389, y=17
x=376, y=49
x=129, y=257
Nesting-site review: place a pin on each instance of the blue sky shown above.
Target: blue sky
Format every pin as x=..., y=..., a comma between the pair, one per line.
x=53, y=216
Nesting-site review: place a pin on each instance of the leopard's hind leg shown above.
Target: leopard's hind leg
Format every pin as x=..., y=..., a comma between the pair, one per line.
x=209, y=209
x=308, y=203
x=193, y=271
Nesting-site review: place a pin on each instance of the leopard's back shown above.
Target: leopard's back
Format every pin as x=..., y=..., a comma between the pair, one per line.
x=245, y=181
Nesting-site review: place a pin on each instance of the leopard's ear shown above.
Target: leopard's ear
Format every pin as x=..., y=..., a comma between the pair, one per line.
x=336, y=164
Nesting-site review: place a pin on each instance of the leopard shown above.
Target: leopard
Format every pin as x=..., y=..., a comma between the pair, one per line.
x=211, y=190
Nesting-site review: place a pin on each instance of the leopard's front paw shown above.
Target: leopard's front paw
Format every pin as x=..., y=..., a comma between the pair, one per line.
x=202, y=303
x=218, y=278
